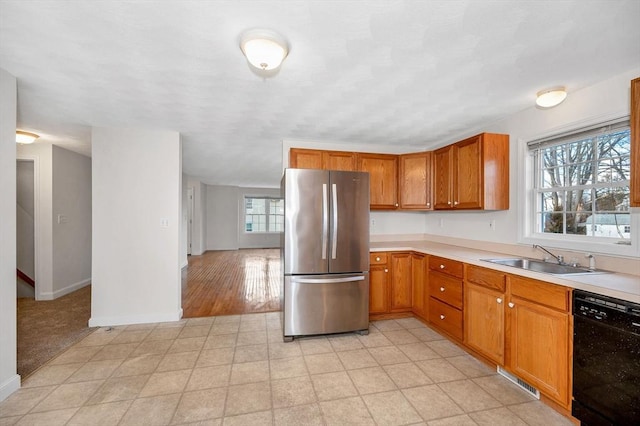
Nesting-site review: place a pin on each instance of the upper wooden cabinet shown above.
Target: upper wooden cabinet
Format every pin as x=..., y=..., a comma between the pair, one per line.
x=383, y=179
x=635, y=142
x=317, y=159
x=473, y=174
x=414, y=181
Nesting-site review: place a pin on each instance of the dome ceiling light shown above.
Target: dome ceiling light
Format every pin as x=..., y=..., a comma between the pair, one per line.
x=25, y=137
x=264, y=49
x=549, y=98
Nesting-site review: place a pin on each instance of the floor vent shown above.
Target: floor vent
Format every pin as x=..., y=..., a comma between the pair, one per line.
x=521, y=383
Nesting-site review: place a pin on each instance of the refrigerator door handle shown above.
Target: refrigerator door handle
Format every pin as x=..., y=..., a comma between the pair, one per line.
x=334, y=231
x=327, y=280
x=325, y=221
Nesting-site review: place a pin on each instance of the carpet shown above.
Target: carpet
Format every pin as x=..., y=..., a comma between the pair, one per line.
x=47, y=327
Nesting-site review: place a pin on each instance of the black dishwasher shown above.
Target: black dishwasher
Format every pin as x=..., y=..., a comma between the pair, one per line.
x=606, y=360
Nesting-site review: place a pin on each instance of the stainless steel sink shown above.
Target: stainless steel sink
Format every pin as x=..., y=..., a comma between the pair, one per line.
x=542, y=266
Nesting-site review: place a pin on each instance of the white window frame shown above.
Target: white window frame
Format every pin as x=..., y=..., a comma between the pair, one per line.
x=244, y=214
x=527, y=215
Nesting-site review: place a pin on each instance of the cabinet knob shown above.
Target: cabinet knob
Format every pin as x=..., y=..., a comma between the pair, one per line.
x=455, y=203
x=428, y=204
x=441, y=266
x=396, y=204
x=441, y=317
x=441, y=288
x=499, y=300
x=377, y=259
x=386, y=270
x=511, y=304
x=449, y=202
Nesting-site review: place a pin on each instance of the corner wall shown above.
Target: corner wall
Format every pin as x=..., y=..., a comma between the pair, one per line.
x=137, y=210
x=9, y=378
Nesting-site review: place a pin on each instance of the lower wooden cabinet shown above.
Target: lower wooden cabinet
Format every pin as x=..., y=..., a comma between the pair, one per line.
x=420, y=306
x=445, y=291
x=390, y=283
x=539, y=341
x=445, y=317
x=401, y=282
x=379, y=282
x=484, y=314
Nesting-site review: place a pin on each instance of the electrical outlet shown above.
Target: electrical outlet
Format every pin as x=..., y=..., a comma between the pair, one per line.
x=373, y=223
x=164, y=223
x=441, y=223
x=492, y=224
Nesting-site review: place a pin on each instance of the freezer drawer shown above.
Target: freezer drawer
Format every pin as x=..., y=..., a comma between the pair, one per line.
x=324, y=304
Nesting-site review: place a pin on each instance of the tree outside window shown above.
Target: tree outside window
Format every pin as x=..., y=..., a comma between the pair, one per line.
x=582, y=185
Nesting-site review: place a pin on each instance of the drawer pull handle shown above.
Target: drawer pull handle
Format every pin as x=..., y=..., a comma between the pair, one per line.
x=499, y=300
x=511, y=304
x=441, y=317
x=441, y=288
x=441, y=266
x=377, y=259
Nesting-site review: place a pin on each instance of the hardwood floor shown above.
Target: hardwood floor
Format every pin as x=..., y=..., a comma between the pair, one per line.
x=232, y=282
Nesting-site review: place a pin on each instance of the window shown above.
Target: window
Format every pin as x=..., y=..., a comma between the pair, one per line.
x=581, y=185
x=263, y=214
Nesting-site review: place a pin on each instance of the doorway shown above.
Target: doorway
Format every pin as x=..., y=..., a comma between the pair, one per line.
x=25, y=228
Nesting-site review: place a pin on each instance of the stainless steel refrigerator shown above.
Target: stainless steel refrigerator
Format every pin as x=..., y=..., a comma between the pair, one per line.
x=325, y=252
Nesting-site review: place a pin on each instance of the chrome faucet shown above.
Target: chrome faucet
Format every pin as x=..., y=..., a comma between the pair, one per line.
x=559, y=257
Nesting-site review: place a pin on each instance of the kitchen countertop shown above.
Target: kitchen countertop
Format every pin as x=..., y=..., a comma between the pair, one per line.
x=621, y=286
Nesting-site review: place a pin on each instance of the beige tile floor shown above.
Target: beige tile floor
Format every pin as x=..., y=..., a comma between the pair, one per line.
x=235, y=370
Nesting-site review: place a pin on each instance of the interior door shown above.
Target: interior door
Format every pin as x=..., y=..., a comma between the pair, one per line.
x=349, y=222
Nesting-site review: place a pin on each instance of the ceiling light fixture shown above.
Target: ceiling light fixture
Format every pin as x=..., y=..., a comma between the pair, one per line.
x=549, y=98
x=264, y=49
x=25, y=137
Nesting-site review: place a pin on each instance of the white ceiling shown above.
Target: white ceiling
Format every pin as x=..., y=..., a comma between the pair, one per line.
x=411, y=73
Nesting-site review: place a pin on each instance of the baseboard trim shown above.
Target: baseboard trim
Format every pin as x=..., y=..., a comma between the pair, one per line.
x=9, y=386
x=185, y=264
x=134, y=319
x=64, y=291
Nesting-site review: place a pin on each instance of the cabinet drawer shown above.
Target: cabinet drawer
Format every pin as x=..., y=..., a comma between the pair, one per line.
x=540, y=292
x=486, y=277
x=378, y=258
x=447, y=289
x=448, y=266
x=445, y=317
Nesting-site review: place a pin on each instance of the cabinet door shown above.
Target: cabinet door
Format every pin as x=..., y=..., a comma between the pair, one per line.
x=467, y=191
x=484, y=321
x=305, y=158
x=383, y=179
x=339, y=160
x=539, y=347
x=378, y=289
x=635, y=143
x=401, y=289
x=442, y=171
x=415, y=181
x=420, y=286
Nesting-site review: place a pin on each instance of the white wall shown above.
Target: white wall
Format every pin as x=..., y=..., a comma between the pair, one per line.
x=198, y=231
x=72, y=233
x=136, y=260
x=25, y=242
x=9, y=379
x=41, y=153
x=222, y=217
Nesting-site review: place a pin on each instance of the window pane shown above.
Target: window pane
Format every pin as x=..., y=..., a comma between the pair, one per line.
x=583, y=186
